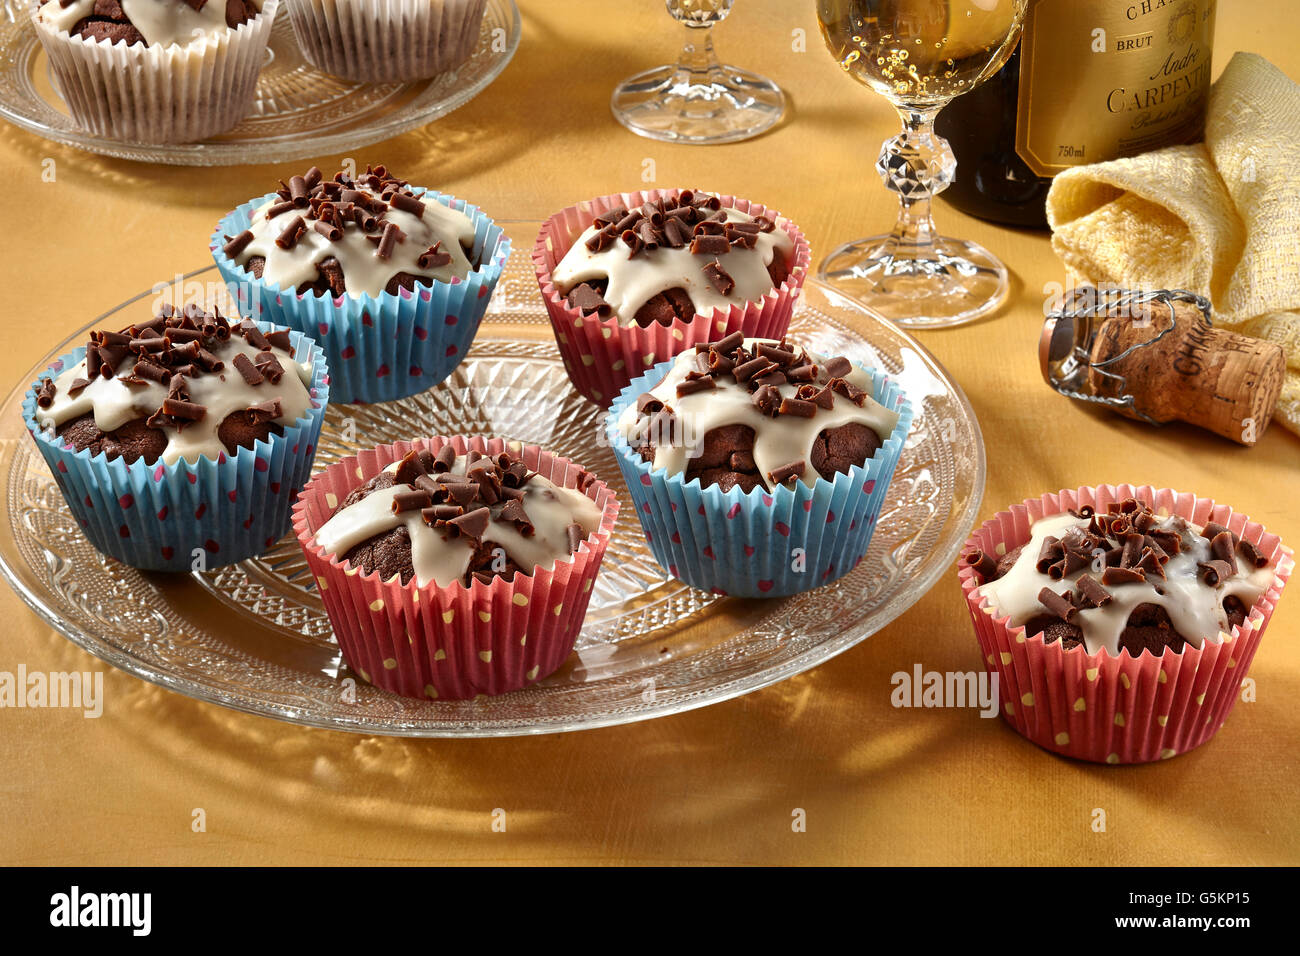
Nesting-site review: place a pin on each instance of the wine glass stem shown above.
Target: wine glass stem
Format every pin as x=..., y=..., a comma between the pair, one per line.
x=917, y=164
x=697, y=59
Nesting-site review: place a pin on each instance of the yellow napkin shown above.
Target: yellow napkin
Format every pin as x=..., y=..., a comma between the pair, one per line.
x=1221, y=218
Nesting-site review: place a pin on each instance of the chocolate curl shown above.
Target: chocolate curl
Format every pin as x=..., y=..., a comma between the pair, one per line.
x=279, y=339
x=1050, y=553
x=462, y=492
x=266, y=411
x=472, y=524
x=414, y=500
x=312, y=177
x=298, y=192
x=238, y=244
x=747, y=370
x=408, y=469
x=850, y=391
x=289, y=238
x=601, y=241
x=1084, y=511
x=209, y=362
x=983, y=563
x=707, y=245
x=720, y=278
x=444, y=459
x=627, y=223
x=328, y=229
x=253, y=336
x=779, y=476
x=719, y=362
x=633, y=242
x=1251, y=553
x=75, y=388
x=1150, y=564
x=489, y=482
x=674, y=234
x=269, y=366
x=245, y=368
x=514, y=513
x=434, y=257
x=689, y=387
x=797, y=407
x=1131, y=549
x=93, y=362
x=588, y=300
x=1223, y=547
x=174, y=335
x=408, y=203
x=1058, y=604
x=1170, y=542
x=154, y=373
x=1091, y=593
x=441, y=514
x=767, y=400
x=185, y=411
x=1214, y=529
x=45, y=393
x=388, y=240
x=649, y=241
x=280, y=208
x=1215, y=573
x=1114, y=576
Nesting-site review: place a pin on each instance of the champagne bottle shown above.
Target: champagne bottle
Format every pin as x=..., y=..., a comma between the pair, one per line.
x=1092, y=80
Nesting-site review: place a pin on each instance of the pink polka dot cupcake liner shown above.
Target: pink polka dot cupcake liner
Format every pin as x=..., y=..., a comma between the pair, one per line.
x=602, y=356
x=758, y=543
x=188, y=516
x=458, y=641
x=380, y=348
x=1118, y=709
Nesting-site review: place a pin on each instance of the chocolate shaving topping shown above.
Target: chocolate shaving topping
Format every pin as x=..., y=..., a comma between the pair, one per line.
x=417, y=499
x=721, y=280
x=513, y=512
x=780, y=476
x=234, y=246
x=1091, y=593
x=1113, y=576
x=1214, y=573
x=576, y=536
x=244, y=366
x=267, y=411
x=292, y=232
x=1251, y=553
x=1058, y=604
x=982, y=562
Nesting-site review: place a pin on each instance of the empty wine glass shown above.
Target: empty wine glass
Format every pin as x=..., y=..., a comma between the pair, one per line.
x=697, y=99
x=919, y=54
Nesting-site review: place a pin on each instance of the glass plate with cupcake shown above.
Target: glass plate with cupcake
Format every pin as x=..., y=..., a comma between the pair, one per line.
x=291, y=88
x=256, y=635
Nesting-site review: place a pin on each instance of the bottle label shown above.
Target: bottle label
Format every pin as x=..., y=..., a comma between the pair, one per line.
x=1111, y=78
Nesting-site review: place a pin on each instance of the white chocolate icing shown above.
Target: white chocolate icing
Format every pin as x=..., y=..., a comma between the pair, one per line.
x=221, y=393
x=1194, y=608
x=777, y=441
x=160, y=22
x=550, y=507
x=633, y=282
x=363, y=270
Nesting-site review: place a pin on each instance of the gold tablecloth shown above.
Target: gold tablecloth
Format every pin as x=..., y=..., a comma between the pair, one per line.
x=719, y=785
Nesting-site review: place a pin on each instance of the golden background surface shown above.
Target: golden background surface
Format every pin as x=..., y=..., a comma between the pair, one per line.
x=718, y=785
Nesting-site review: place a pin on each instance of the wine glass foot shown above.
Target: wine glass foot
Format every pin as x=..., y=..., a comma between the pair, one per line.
x=724, y=105
x=949, y=282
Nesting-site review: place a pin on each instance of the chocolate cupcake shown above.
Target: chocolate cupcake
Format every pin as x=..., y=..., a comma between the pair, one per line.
x=630, y=280
x=385, y=41
x=392, y=280
x=182, y=434
x=758, y=467
x=1120, y=620
x=452, y=567
x=667, y=261
x=155, y=71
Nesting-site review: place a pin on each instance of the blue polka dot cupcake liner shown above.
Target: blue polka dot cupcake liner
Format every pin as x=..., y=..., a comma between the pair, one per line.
x=759, y=543
x=188, y=516
x=386, y=347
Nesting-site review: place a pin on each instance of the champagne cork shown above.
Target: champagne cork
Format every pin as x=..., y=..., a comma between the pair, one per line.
x=1165, y=362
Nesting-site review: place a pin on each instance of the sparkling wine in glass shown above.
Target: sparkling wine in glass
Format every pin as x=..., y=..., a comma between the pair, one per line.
x=697, y=99
x=919, y=54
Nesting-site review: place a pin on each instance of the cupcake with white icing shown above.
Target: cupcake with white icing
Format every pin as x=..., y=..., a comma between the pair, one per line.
x=1121, y=621
x=387, y=41
x=179, y=442
x=391, y=280
x=452, y=567
x=155, y=71
x=635, y=278
x=757, y=467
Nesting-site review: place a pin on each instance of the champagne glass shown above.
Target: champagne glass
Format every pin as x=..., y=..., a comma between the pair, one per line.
x=919, y=54
x=697, y=99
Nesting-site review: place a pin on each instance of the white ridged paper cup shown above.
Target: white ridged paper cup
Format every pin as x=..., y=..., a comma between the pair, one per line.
x=148, y=93
x=376, y=41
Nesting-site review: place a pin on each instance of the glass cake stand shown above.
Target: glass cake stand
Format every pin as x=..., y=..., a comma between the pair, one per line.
x=254, y=637
x=299, y=111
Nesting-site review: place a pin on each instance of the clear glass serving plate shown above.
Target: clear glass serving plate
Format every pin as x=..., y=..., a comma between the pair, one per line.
x=299, y=111
x=254, y=637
